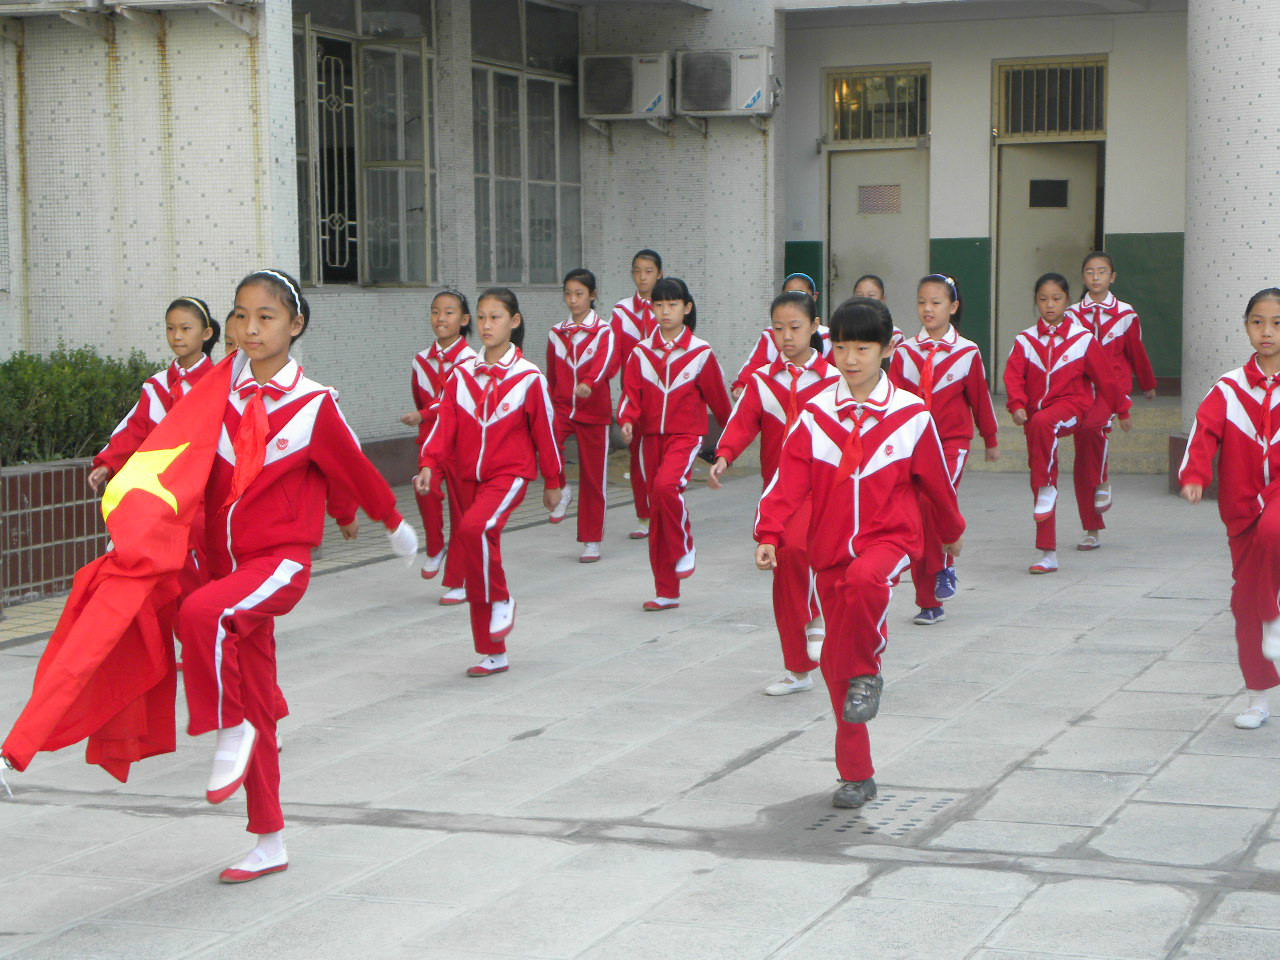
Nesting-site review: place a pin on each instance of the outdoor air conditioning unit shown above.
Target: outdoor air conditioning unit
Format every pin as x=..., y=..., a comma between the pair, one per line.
x=627, y=86
x=725, y=83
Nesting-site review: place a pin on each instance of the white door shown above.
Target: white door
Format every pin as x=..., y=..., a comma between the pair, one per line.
x=879, y=223
x=1048, y=204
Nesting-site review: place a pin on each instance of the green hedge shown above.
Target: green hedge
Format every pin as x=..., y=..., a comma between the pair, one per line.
x=65, y=404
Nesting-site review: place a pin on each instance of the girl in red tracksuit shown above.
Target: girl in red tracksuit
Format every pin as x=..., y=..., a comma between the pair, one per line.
x=432, y=368
x=1054, y=374
x=285, y=446
x=944, y=370
x=767, y=350
x=1239, y=422
x=869, y=456
x=1115, y=325
x=632, y=322
x=192, y=334
x=581, y=358
x=667, y=385
x=770, y=403
x=495, y=422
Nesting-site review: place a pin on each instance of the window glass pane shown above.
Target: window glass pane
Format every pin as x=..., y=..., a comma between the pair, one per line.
x=480, y=119
x=335, y=93
x=570, y=135
x=542, y=233
x=305, y=226
x=552, y=38
x=506, y=125
x=570, y=228
x=396, y=18
x=411, y=105
x=495, y=30
x=542, y=129
x=415, y=226
x=484, y=232
x=381, y=106
x=395, y=226
x=328, y=13
x=508, y=231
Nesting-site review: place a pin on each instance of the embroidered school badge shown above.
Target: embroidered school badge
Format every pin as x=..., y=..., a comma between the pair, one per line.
x=888, y=450
x=506, y=407
x=282, y=442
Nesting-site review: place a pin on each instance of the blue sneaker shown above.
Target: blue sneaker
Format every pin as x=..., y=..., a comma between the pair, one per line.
x=928, y=615
x=944, y=586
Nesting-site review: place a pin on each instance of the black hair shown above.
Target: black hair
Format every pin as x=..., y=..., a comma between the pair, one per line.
x=647, y=254
x=508, y=300
x=862, y=319
x=464, y=331
x=1270, y=293
x=214, y=339
x=873, y=278
x=673, y=288
x=201, y=310
x=1098, y=255
x=953, y=289
x=798, y=298
x=286, y=288
x=1057, y=278
x=584, y=277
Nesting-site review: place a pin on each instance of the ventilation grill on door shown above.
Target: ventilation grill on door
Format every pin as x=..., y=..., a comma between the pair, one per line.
x=885, y=198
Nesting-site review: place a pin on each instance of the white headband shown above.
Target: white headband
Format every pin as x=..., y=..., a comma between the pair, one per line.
x=297, y=301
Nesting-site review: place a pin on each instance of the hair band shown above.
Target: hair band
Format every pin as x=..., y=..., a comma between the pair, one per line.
x=200, y=306
x=947, y=280
x=297, y=301
x=804, y=276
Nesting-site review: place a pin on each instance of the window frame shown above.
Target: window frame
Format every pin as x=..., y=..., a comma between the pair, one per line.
x=833, y=74
x=999, y=68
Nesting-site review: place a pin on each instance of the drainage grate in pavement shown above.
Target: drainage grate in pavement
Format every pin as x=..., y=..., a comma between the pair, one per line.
x=891, y=816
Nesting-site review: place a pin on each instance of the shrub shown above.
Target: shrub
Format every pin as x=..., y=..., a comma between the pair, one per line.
x=65, y=404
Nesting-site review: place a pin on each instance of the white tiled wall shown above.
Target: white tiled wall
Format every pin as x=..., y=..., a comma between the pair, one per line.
x=1233, y=208
x=10, y=278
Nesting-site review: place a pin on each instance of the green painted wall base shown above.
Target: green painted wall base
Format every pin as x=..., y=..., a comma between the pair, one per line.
x=804, y=256
x=967, y=260
x=1149, y=276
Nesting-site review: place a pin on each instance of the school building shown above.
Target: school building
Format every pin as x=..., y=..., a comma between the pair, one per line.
x=386, y=149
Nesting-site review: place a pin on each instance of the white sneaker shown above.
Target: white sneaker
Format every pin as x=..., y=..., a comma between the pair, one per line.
x=687, y=564
x=1048, y=563
x=431, y=566
x=813, y=647
x=1046, y=499
x=590, y=553
x=788, y=684
x=641, y=531
x=1271, y=640
x=502, y=618
x=1102, y=498
x=561, y=508
x=1252, y=718
x=232, y=751
x=453, y=597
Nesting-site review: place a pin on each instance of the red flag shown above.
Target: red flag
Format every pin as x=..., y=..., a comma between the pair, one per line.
x=108, y=671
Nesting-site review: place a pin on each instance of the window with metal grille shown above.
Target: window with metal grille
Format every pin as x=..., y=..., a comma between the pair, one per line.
x=887, y=104
x=1052, y=100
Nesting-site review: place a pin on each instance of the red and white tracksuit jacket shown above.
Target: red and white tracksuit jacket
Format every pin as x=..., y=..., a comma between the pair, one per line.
x=766, y=352
x=770, y=403
x=259, y=550
x=949, y=376
x=1056, y=373
x=1239, y=422
x=495, y=421
x=1115, y=325
x=869, y=467
x=577, y=354
x=667, y=387
x=632, y=321
x=159, y=393
x=432, y=369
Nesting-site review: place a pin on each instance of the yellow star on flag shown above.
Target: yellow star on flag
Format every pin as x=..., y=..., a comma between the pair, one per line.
x=142, y=472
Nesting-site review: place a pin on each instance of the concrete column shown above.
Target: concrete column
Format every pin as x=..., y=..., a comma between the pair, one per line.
x=455, y=232
x=1233, y=182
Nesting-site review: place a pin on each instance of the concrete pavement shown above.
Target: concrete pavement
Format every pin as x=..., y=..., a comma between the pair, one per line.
x=1058, y=772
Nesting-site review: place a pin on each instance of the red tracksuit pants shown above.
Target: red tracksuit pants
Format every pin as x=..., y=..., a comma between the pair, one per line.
x=1043, y=429
x=933, y=559
x=666, y=459
x=593, y=473
x=639, y=487
x=229, y=666
x=489, y=504
x=855, y=604
x=792, y=609
x=431, y=509
x=1092, y=440
x=1255, y=570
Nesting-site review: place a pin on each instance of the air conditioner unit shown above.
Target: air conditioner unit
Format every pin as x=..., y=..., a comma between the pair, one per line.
x=624, y=86
x=725, y=83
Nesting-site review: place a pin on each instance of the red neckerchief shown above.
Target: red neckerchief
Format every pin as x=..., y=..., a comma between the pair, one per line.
x=643, y=309
x=781, y=365
x=495, y=372
x=250, y=441
x=445, y=358
x=849, y=409
x=1256, y=378
x=1111, y=306
x=930, y=348
x=1058, y=330
x=664, y=348
x=568, y=332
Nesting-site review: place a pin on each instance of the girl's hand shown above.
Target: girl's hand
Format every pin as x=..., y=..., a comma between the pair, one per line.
x=1020, y=417
x=411, y=419
x=737, y=392
x=422, y=482
x=628, y=431
x=97, y=477
x=993, y=454
x=717, y=471
x=350, y=530
x=954, y=548
x=1126, y=424
x=551, y=498
x=582, y=391
x=766, y=556
x=1192, y=492
x=1149, y=394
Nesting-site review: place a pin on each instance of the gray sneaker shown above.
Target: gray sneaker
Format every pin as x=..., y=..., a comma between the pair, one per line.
x=862, y=702
x=854, y=793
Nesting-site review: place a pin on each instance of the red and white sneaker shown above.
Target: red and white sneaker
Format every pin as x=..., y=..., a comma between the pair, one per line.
x=660, y=603
x=431, y=566
x=254, y=866
x=1046, y=500
x=489, y=666
x=561, y=508
x=1102, y=498
x=502, y=618
x=454, y=597
x=686, y=565
x=1046, y=564
x=641, y=531
x=232, y=752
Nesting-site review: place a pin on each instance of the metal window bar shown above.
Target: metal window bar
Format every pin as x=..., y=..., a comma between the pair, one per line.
x=1058, y=100
x=880, y=106
x=335, y=95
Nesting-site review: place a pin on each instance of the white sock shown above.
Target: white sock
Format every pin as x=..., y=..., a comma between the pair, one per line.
x=1049, y=558
x=799, y=677
x=1271, y=639
x=813, y=648
x=494, y=660
x=269, y=852
x=1258, y=700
